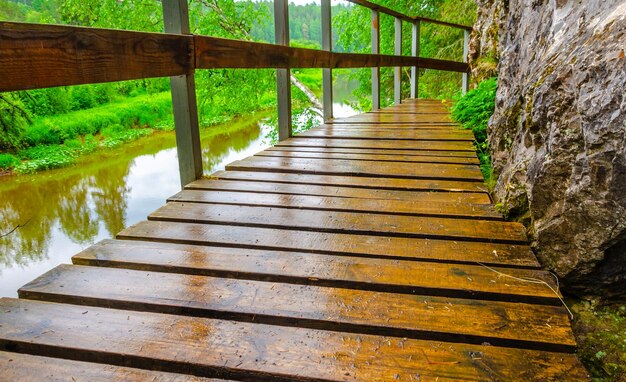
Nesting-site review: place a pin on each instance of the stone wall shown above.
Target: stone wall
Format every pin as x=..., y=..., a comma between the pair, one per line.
x=559, y=130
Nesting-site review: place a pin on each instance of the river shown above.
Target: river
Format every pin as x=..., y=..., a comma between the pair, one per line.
x=60, y=212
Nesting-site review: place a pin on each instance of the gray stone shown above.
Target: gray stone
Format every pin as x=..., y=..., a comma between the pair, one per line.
x=558, y=135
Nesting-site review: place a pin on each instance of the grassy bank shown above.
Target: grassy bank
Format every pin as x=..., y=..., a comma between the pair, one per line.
x=58, y=140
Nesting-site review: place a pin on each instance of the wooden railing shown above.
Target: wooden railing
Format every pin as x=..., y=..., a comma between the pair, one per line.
x=39, y=55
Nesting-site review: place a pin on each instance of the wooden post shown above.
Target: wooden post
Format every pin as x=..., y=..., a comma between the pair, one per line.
x=176, y=19
x=397, y=75
x=375, y=50
x=283, y=80
x=465, y=52
x=327, y=73
x=415, y=51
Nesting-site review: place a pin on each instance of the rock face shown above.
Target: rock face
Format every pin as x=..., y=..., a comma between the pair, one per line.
x=558, y=135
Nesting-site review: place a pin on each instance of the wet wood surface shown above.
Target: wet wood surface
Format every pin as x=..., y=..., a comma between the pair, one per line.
x=363, y=251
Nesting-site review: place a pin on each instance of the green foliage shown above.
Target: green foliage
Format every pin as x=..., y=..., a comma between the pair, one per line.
x=138, y=111
x=8, y=161
x=601, y=336
x=473, y=111
x=353, y=26
x=13, y=120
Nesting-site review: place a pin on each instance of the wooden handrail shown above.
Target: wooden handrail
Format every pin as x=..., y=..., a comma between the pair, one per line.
x=403, y=17
x=37, y=56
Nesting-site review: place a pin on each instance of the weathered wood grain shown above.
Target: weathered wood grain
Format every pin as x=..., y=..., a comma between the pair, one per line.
x=388, y=247
x=380, y=144
x=325, y=203
x=37, y=56
x=260, y=186
x=228, y=349
x=368, y=157
x=336, y=309
x=382, y=184
x=399, y=276
x=25, y=367
x=458, y=172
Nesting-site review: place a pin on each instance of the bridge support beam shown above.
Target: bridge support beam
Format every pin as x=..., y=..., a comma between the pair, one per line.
x=176, y=19
x=375, y=50
x=327, y=73
x=465, y=88
x=415, y=52
x=397, y=75
x=283, y=76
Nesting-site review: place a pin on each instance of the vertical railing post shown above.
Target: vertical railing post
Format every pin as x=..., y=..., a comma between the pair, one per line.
x=176, y=20
x=375, y=50
x=397, y=75
x=327, y=73
x=415, y=52
x=465, y=52
x=283, y=80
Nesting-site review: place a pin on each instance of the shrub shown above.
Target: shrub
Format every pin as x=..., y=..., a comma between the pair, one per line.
x=8, y=161
x=473, y=111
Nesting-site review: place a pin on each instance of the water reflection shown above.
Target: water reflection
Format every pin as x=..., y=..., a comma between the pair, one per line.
x=63, y=211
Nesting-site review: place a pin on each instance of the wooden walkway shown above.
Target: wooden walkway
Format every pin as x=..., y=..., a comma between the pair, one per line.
x=363, y=250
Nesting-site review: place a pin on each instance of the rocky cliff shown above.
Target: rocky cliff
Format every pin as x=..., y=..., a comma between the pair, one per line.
x=558, y=135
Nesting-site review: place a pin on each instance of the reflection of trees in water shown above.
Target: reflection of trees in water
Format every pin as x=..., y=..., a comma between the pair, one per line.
x=67, y=200
x=215, y=148
x=78, y=199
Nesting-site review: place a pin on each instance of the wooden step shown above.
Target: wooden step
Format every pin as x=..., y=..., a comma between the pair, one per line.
x=333, y=243
x=395, y=118
x=370, y=157
x=26, y=367
x=344, y=222
x=448, y=319
x=379, y=144
x=343, y=192
x=374, y=151
x=400, y=170
x=416, y=135
x=383, y=184
x=397, y=276
x=373, y=206
x=239, y=350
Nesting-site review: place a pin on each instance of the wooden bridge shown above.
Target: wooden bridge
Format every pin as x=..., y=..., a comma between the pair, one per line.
x=365, y=249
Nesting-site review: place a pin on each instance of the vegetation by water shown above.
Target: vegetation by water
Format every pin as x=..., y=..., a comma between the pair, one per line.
x=473, y=111
x=49, y=128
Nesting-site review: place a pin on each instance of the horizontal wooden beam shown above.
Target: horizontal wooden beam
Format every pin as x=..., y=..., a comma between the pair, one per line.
x=403, y=17
x=37, y=56
x=212, y=53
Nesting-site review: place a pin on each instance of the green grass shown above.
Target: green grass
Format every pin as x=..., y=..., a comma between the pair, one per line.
x=140, y=111
x=8, y=162
x=473, y=111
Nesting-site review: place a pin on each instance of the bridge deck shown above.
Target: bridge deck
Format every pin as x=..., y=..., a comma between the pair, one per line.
x=363, y=250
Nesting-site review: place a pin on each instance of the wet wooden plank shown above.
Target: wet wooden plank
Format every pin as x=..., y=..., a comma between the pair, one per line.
x=380, y=118
x=343, y=192
x=527, y=326
x=398, y=276
x=26, y=367
x=355, y=182
x=370, y=206
x=369, y=157
x=375, y=151
x=344, y=222
x=359, y=168
x=228, y=349
x=333, y=243
x=34, y=56
x=380, y=144
x=399, y=134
